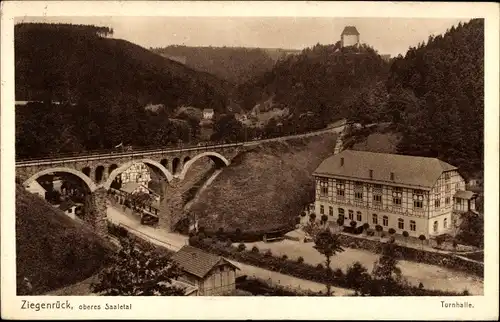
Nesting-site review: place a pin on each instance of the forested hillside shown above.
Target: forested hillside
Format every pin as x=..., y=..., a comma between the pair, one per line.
x=322, y=83
x=74, y=63
x=437, y=97
x=234, y=64
x=104, y=86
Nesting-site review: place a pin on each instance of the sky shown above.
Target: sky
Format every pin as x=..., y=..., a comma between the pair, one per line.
x=391, y=36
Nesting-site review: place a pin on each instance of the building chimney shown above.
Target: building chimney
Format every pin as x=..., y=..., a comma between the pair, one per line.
x=392, y=176
x=371, y=174
x=341, y=162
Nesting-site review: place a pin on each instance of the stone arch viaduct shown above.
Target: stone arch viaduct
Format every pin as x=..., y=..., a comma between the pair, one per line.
x=98, y=171
x=170, y=166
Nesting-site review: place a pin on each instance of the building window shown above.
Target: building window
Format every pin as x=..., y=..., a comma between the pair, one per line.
x=447, y=187
x=70, y=211
x=341, y=213
x=447, y=176
x=397, y=196
x=445, y=223
x=340, y=188
x=457, y=186
x=377, y=199
x=358, y=191
x=323, y=184
x=322, y=209
x=375, y=219
x=458, y=201
x=437, y=201
x=447, y=201
x=418, y=199
x=358, y=216
x=401, y=223
x=351, y=215
x=435, y=226
x=413, y=225
x=330, y=211
x=385, y=221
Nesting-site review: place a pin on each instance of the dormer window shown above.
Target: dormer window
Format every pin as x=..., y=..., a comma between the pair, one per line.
x=392, y=176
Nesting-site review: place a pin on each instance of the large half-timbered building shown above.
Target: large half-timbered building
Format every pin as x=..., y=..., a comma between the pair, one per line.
x=407, y=193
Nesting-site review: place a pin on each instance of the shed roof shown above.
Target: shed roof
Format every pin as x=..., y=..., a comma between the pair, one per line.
x=408, y=170
x=197, y=262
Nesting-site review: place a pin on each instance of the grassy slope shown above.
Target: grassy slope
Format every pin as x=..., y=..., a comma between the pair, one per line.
x=264, y=188
x=53, y=250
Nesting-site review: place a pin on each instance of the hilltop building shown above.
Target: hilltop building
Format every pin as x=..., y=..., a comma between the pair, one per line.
x=407, y=193
x=349, y=36
x=210, y=274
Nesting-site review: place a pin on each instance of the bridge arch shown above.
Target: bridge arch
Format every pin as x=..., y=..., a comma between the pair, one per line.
x=217, y=158
x=127, y=165
x=90, y=184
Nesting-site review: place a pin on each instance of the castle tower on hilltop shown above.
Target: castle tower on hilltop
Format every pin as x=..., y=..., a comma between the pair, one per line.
x=349, y=37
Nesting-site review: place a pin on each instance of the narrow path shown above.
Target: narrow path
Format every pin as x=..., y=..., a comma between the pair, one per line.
x=175, y=241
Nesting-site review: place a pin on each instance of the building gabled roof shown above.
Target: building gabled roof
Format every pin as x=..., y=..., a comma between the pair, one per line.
x=197, y=262
x=413, y=171
x=464, y=194
x=65, y=205
x=350, y=31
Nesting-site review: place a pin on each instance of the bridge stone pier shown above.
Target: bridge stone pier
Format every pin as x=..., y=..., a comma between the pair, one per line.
x=97, y=172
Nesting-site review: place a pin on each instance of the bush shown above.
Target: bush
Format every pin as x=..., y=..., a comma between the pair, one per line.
x=284, y=257
x=255, y=249
x=194, y=240
x=297, y=220
x=392, y=231
x=228, y=243
x=312, y=217
x=340, y=221
x=303, y=214
x=268, y=253
x=320, y=267
x=353, y=224
x=405, y=234
x=324, y=218
x=300, y=259
x=241, y=247
x=366, y=226
x=378, y=228
x=306, y=271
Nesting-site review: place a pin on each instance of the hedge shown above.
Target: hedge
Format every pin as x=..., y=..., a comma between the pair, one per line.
x=306, y=271
x=417, y=255
x=238, y=236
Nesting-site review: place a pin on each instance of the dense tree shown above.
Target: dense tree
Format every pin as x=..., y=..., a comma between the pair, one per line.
x=227, y=128
x=328, y=244
x=436, y=97
x=135, y=272
x=234, y=64
x=318, y=85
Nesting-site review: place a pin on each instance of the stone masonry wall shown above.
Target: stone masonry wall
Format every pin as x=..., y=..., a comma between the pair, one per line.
x=96, y=207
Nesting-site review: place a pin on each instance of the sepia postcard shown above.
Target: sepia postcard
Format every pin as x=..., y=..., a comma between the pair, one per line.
x=249, y=160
